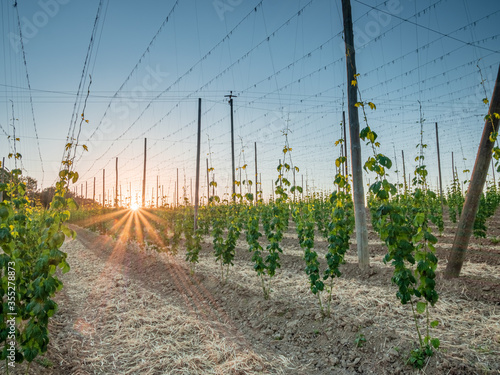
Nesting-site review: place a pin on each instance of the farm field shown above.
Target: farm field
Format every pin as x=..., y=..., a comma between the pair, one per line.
x=129, y=309
x=256, y=187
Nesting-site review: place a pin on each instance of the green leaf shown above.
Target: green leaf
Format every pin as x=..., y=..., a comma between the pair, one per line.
x=435, y=343
x=421, y=307
x=434, y=323
x=384, y=161
x=68, y=232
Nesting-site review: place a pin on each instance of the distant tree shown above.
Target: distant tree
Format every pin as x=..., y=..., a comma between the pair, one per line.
x=31, y=183
x=46, y=196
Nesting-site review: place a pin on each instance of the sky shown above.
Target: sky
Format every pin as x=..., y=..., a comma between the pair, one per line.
x=136, y=70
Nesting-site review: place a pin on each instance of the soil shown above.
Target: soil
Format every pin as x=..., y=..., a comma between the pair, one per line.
x=126, y=309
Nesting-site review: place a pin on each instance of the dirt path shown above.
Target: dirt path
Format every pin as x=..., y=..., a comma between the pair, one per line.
x=124, y=310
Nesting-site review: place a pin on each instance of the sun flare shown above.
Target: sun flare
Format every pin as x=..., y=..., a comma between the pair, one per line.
x=134, y=207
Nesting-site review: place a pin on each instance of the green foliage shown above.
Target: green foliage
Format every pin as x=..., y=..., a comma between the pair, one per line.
x=419, y=356
x=225, y=249
x=252, y=236
x=304, y=218
x=488, y=204
x=275, y=222
x=403, y=224
x=193, y=239
x=360, y=340
x=30, y=239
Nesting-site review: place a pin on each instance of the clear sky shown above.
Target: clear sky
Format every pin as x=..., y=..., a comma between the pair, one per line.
x=150, y=61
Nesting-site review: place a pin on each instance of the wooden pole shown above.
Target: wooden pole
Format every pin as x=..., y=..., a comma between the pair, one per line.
x=256, y=175
x=453, y=166
x=476, y=185
x=302, y=185
x=144, y=176
x=345, y=143
x=231, y=96
x=93, y=193
x=404, y=170
x=357, y=170
x=103, y=187
x=280, y=172
x=157, y=182
x=439, y=170
x=1, y=177
x=177, y=190
x=208, y=185
x=493, y=171
x=260, y=183
x=116, y=183
x=197, y=186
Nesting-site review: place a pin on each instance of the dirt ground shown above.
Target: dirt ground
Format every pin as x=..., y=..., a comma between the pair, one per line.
x=131, y=310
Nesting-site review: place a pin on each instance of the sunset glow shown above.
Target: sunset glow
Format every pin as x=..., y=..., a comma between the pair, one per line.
x=134, y=207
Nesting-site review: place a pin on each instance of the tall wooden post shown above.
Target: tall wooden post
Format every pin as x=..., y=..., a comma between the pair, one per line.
x=116, y=183
x=439, y=170
x=208, y=185
x=493, y=171
x=157, y=182
x=231, y=96
x=103, y=187
x=404, y=171
x=177, y=190
x=476, y=185
x=302, y=185
x=144, y=176
x=1, y=177
x=345, y=144
x=453, y=166
x=197, y=186
x=357, y=170
x=93, y=193
x=256, y=175
x=279, y=163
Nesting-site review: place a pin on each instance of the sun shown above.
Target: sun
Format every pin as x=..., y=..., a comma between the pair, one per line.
x=134, y=207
